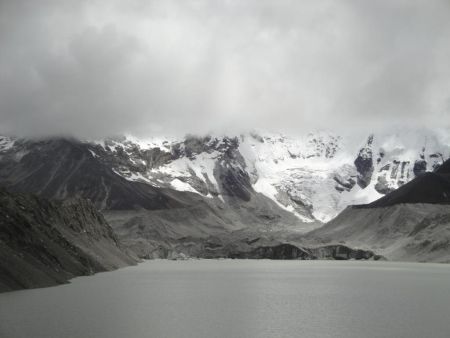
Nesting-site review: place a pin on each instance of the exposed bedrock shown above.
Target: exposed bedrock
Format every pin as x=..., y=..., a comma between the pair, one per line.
x=364, y=164
x=44, y=242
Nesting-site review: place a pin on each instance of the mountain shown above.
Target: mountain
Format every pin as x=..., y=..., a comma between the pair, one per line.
x=64, y=168
x=164, y=196
x=46, y=242
x=411, y=223
x=147, y=216
x=313, y=176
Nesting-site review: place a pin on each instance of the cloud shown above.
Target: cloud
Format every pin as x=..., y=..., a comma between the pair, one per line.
x=96, y=68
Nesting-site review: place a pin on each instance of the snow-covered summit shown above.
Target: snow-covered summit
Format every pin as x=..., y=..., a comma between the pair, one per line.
x=314, y=176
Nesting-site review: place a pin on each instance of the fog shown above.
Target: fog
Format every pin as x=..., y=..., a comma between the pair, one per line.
x=97, y=68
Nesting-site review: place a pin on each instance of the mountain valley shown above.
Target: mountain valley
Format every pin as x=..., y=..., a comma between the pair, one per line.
x=255, y=195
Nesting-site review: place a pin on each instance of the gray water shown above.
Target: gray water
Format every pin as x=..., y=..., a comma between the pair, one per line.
x=239, y=298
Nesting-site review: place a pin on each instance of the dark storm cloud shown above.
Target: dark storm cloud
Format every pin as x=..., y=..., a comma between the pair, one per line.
x=93, y=68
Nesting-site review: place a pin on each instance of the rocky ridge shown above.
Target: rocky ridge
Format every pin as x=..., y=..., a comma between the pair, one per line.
x=44, y=242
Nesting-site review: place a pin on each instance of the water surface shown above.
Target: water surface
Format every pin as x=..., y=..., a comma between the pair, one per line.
x=239, y=298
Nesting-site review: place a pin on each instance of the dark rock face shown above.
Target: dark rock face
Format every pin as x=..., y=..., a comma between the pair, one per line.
x=282, y=251
x=235, y=183
x=230, y=172
x=44, y=242
x=364, y=164
x=342, y=252
x=289, y=251
x=420, y=167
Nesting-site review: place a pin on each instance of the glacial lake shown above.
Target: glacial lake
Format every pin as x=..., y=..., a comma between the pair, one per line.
x=239, y=298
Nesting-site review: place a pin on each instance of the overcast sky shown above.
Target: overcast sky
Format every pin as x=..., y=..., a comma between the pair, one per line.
x=95, y=68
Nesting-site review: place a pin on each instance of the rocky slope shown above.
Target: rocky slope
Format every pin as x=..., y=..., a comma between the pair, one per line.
x=45, y=242
x=160, y=233
x=402, y=232
x=65, y=168
x=411, y=223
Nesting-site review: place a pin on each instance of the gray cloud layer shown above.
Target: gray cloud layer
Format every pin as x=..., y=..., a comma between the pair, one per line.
x=92, y=68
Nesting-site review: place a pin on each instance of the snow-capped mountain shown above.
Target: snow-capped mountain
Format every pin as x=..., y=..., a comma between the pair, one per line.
x=188, y=195
x=313, y=176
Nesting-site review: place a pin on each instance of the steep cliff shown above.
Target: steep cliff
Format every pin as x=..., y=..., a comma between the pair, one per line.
x=45, y=242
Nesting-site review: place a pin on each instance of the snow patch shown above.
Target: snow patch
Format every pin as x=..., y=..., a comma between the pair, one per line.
x=6, y=143
x=182, y=186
